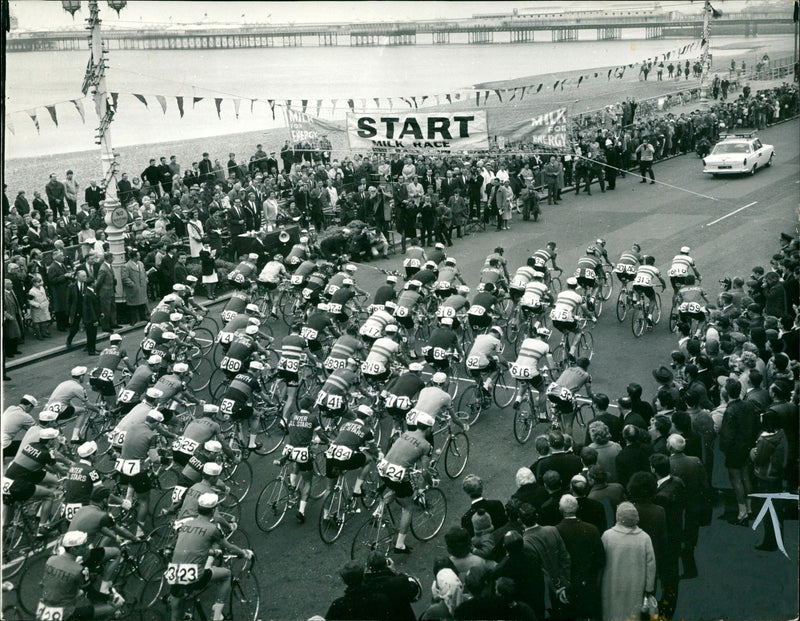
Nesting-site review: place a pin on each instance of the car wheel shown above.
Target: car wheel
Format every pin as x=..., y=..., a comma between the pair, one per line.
x=769, y=163
x=753, y=170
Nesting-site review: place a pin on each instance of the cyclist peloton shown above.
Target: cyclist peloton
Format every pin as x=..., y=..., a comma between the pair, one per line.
x=347, y=346
x=377, y=366
x=143, y=376
x=70, y=399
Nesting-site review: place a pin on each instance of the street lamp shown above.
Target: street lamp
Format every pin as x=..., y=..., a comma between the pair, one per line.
x=117, y=5
x=71, y=6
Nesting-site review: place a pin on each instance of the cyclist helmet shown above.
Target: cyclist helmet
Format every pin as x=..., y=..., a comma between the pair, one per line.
x=463, y=290
x=252, y=257
x=251, y=330
x=180, y=367
x=600, y=242
x=322, y=306
x=278, y=258
x=423, y=418
x=176, y=316
x=256, y=365
x=350, y=268
x=78, y=371
x=543, y=332
x=210, y=408
x=390, y=329
x=347, y=282
x=213, y=446
x=414, y=285
x=488, y=286
x=154, y=393
x=252, y=308
x=304, y=240
x=636, y=248
x=685, y=249
x=439, y=378
x=416, y=367
x=178, y=287
x=364, y=410
x=430, y=265
x=450, y=261
x=572, y=282
x=446, y=321
x=649, y=260
x=496, y=330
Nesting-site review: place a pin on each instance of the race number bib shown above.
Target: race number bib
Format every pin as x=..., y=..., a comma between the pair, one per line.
x=106, y=375
x=401, y=403
x=310, y=334
x=225, y=337
x=372, y=331
x=401, y=311
x=54, y=407
x=538, y=261
x=561, y=313
x=690, y=307
x=49, y=613
x=307, y=293
x=412, y=416
x=331, y=289
x=177, y=494
x=128, y=467
x=226, y=407
x=372, y=368
x=297, y=454
x=411, y=263
x=586, y=272
x=233, y=365
x=185, y=445
x=6, y=485
x=625, y=268
x=643, y=280
x=442, y=285
x=228, y=315
x=339, y=452
x=127, y=396
x=521, y=371
x=559, y=392
x=297, y=279
x=182, y=573
x=446, y=311
x=71, y=509
x=393, y=472
x=476, y=311
x=148, y=344
x=117, y=438
x=334, y=308
x=289, y=364
x=678, y=270
x=473, y=362
x=333, y=364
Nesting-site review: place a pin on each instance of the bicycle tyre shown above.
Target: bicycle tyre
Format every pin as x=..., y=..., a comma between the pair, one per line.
x=560, y=356
x=245, y=601
x=607, y=287
x=309, y=386
x=240, y=479
x=203, y=340
x=456, y=455
x=319, y=483
x=514, y=328
x=502, y=391
x=369, y=488
x=555, y=284
x=29, y=589
x=523, y=421
x=154, y=601
x=657, y=309
x=428, y=513
x=471, y=402
x=373, y=535
x=330, y=528
x=272, y=504
x=638, y=322
x=270, y=434
x=673, y=320
x=454, y=379
x=17, y=547
x=201, y=375
x=586, y=345
x=622, y=305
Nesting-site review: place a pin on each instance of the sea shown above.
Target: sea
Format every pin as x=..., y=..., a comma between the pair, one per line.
x=38, y=79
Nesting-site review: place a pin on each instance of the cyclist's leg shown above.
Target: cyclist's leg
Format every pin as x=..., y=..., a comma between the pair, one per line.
x=568, y=417
x=305, y=473
x=365, y=469
x=222, y=577
x=80, y=424
x=111, y=560
x=405, y=522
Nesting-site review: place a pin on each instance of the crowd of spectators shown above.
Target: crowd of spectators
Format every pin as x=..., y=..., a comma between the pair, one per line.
x=365, y=202
x=608, y=528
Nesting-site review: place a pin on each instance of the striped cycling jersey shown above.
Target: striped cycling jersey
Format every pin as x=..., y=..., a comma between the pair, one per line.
x=292, y=347
x=692, y=293
x=592, y=263
x=382, y=350
x=566, y=304
x=522, y=277
x=534, y=292
x=681, y=264
x=530, y=352
x=345, y=347
x=646, y=276
x=375, y=323
x=629, y=258
x=339, y=382
x=540, y=259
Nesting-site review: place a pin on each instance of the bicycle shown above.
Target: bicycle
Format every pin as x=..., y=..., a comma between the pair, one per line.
x=428, y=514
x=526, y=415
x=455, y=449
x=639, y=320
x=341, y=503
x=473, y=400
x=244, y=601
x=585, y=347
x=579, y=419
x=625, y=300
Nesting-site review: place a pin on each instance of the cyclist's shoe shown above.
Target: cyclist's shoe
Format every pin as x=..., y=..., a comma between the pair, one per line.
x=404, y=550
x=543, y=418
x=516, y=404
x=255, y=447
x=570, y=358
x=358, y=494
x=116, y=599
x=301, y=518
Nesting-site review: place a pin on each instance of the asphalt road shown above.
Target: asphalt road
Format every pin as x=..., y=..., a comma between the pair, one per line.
x=298, y=573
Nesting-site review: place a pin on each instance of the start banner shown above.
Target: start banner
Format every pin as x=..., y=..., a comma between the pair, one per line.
x=418, y=130
x=549, y=129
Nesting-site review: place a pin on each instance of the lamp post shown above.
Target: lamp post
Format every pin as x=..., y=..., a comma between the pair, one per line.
x=116, y=215
x=704, y=53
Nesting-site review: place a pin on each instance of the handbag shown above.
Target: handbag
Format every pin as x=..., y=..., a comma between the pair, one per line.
x=649, y=608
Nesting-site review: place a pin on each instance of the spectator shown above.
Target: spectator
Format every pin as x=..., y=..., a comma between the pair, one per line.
x=105, y=287
x=195, y=230
x=589, y=510
x=400, y=589
x=528, y=489
x=634, y=455
x=446, y=591
x=56, y=195
x=670, y=496
x=523, y=567
x=458, y=543
x=566, y=464
x=40, y=308
x=134, y=284
x=358, y=602
x=606, y=449
x=12, y=320
x=473, y=487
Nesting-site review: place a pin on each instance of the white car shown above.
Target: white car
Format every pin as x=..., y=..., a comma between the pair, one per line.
x=740, y=153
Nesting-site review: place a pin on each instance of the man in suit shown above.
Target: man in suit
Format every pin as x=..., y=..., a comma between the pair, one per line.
x=613, y=422
x=671, y=496
x=634, y=455
x=105, y=287
x=473, y=486
x=57, y=282
x=692, y=473
x=94, y=194
x=89, y=265
x=755, y=392
x=124, y=189
x=75, y=293
x=549, y=513
x=179, y=271
x=589, y=511
x=90, y=317
x=166, y=270
x=587, y=558
x=206, y=169
x=252, y=211
x=236, y=224
x=547, y=545
x=566, y=464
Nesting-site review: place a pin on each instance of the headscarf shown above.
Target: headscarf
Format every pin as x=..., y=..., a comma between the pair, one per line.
x=627, y=515
x=447, y=588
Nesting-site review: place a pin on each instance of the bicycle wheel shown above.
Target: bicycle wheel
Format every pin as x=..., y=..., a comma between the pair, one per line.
x=369, y=488
x=470, y=402
x=673, y=320
x=622, y=305
x=245, y=596
x=608, y=285
x=29, y=587
x=203, y=340
x=335, y=507
x=638, y=321
x=161, y=540
x=216, y=382
x=513, y=328
x=454, y=380
x=319, y=483
x=505, y=306
x=373, y=535
x=657, y=309
x=503, y=390
x=154, y=602
x=273, y=501
x=201, y=375
x=428, y=513
x=584, y=414
x=239, y=481
x=560, y=356
x=308, y=387
x=586, y=345
x=164, y=502
x=17, y=546
x=598, y=305
x=210, y=324
x=555, y=284
x=456, y=454
x=270, y=434
x=523, y=421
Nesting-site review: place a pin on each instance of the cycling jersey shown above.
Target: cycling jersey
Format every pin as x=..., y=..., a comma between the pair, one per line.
x=352, y=435
x=196, y=537
x=385, y=293
x=170, y=385
x=574, y=378
x=566, y=306
x=292, y=351
x=441, y=340
x=415, y=257
x=301, y=429
x=405, y=452
x=375, y=323
x=500, y=259
x=62, y=581
x=405, y=304
x=345, y=347
x=82, y=478
x=382, y=351
x=540, y=259
x=160, y=313
x=335, y=282
x=334, y=392
x=646, y=276
x=197, y=433
x=297, y=254
x=193, y=470
x=65, y=393
x=491, y=275
x=530, y=352
x=432, y=400
x=138, y=440
x=682, y=265
x=483, y=349
x=340, y=299
x=241, y=349
x=535, y=293
x=242, y=272
x=589, y=268
x=627, y=264
x=240, y=389
x=137, y=384
x=482, y=304
x=30, y=461
x=522, y=277
x=90, y=519
x=692, y=293
x=108, y=362
x=451, y=305
x=238, y=322
x=15, y=421
x=401, y=393
x=236, y=304
x=304, y=269
x=425, y=276
x=273, y=272
x=448, y=274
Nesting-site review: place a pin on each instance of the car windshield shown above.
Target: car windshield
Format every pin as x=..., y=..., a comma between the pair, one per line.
x=732, y=147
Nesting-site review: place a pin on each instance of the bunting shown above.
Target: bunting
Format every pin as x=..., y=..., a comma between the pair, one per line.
x=363, y=104
x=414, y=99
x=196, y=99
x=236, y=104
x=179, y=101
x=304, y=104
x=522, y=95
x=218, y=104
x=422, y=101
x=499, y=96
x=141, y=98
x=271, y=103
x=477, y=98
x=580, y=79
x=52, y=111
x=79, y=107
x=377, y=102
x=448, y=98
x=319, y=106
x=114, y=99
x=333, y=105
x=252, y=104
x=351, y=105
x=539, y=87
x=34, y=118
x=163, y=101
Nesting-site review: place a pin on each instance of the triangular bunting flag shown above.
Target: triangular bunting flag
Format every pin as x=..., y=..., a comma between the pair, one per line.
x=555, y=86
x=252, y=103
x=288, y=103
x=414, y=99
x=141, y=98
x=478, y=98
x=499, y=96
x=333, y=105
x=514, y=94
x=422, y=101
x=79, y=107
x=609, y=73
x=580, y=79
x=114, y=99
x=448, y=98
x=163, y=101
x=485, y=97
x=218, y=104
x=271, y=103
x=596, y=74
x=236, y=104
x=52, y=111
x=179, y=101
x=351, y=105
x=304, y=103
x=539, y=87
x=522, y=95
x=32, y=114
x=195, y=100
x=319, y=106
x=377, y=102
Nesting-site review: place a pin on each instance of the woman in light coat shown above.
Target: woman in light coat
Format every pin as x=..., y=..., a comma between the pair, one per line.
x=40, y=308
x=195, y=230
x=134, y=284
x=270, y=210
x=630, y=571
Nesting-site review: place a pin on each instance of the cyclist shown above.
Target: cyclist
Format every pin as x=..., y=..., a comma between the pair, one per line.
x=479, y=313
x=237, y=322
x=375, y=324
x=404, y=314
x=63, y=581
x=682, y=265
x=337, y=281
x=134, y=464
x=539, y=259
x=186, y=303
x=241, y=276
x=427, y=275
x=377, y=366
x=401, y=393
x=590, y=275
x=526, y=367
x=16, y=420
x=493, y=274
x=81, y=480
x=194, y=471
x=438, y=254
x=524, y=275
x=314, y=285
x=409, y=450
x=600, y=244
x=442, y=343
x=643, y=284
x=245, y=343
x=294, y=349
x=499, y=261
x=101, y=379
x=237, y=401
x=342, y=300
x=144, y=375
x=629, y=261
x=692, y=304
x=301, y=433
x=303, y=271
x=190, y=570
x=175, y=389
x=484, y=357
x=433, y=401
x=453, y=305
x=273, y=274
x=69, y=399
x=385, y=293
x=562, y=392
x=536, y=296
x=347, y=451
x=236, y=304
x=299, y=253
x=449, y=278
x=569, y=306
x=333, y=396
x=161, y=340
x=188, y=297
x=138, y=414
x=197, y=432
x=344, y=348
x=22, y=490
x=162, y=310
x=184, y=500
x=415, y=257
